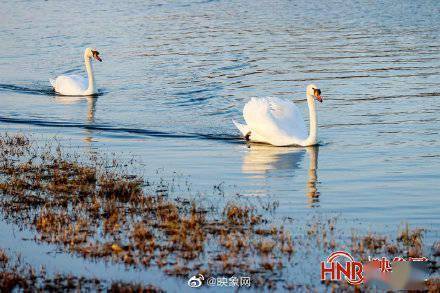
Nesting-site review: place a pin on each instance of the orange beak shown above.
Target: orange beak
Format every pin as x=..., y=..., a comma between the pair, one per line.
x=318, y=98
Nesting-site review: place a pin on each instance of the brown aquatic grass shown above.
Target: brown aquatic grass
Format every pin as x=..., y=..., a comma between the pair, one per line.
x=99, y=212
x=93, y=210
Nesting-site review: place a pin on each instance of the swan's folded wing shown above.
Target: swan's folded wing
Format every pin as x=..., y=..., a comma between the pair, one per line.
x=70, y=84
x=278, y=120
x=288, y=117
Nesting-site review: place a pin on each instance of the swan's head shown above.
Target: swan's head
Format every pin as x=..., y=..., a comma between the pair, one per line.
x=315, y=92
x=89, y=53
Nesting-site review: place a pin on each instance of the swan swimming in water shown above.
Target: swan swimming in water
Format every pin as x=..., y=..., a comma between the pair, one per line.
x=279, y=122
x=75, y=85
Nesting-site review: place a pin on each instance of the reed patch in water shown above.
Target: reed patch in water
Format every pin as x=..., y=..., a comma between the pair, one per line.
x=96, y=212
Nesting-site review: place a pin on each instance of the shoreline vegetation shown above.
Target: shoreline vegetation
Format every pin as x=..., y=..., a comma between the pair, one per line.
x=91, y=209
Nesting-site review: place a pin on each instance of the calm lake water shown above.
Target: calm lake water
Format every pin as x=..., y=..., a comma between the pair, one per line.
x=174, y=75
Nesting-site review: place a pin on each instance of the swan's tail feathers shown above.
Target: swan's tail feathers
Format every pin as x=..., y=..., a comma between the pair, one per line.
x=52, y=82
x=244, y=129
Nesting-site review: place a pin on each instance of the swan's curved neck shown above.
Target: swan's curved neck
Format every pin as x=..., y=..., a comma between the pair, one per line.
x=91, y=87
x=313, y=119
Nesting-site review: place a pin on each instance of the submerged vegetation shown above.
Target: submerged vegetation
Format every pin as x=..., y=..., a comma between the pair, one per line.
x=95, y=212
x=14, y=276
x=92, y=209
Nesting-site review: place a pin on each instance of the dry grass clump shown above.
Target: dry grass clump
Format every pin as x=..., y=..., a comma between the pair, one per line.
x=15, y=145
x=125, y=189
x=97, y=212
x=412, y=240
x=10, y=281
x=323, y=232
x=370, y=243
x=408, y=244
x=3, y=258
x=241, y=215
x=410, y=237
x=16, y=140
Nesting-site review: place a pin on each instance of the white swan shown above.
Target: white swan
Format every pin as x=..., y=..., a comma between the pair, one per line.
x=75, y=85
x=279, y=122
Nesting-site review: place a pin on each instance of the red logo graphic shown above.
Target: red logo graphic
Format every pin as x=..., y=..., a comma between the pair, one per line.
x=351, y=270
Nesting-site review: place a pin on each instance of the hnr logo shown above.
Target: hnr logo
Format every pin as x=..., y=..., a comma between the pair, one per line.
x=351, y=270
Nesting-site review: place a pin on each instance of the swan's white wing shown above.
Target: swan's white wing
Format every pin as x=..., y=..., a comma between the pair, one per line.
x=246, y=132
x=244, y=129
x=278, y=121
x=70, y=84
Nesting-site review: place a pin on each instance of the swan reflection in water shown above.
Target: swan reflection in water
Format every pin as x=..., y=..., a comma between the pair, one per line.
x=91, y=108
x=262, y=161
